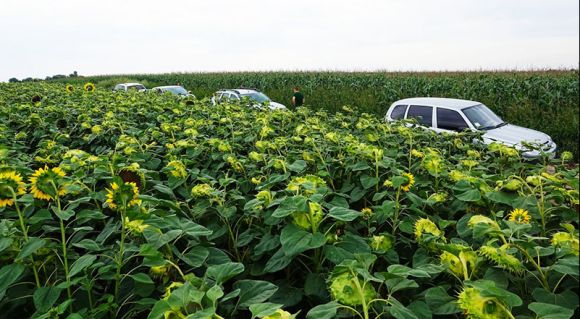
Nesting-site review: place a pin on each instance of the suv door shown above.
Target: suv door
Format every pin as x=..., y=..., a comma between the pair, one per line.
x=450, y=121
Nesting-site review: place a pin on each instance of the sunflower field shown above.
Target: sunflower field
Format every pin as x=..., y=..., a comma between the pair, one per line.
x=141, y=205
x=542, y=100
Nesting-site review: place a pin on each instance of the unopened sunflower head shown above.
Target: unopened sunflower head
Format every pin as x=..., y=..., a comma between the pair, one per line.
x=381, y=242
x=257, y=180
x=256, y=157
x=501, y=258
x=438, y=197
x=468, y=259
x=427, y=233
x=477, y=306
x=136, y=226
x=534, y=180
x=202, y=190
x=433, y=163
x=307, y=185
x=566, y=156
x=473, y=154
x=417, y=153
x=159, y=271
x=512, y=185
x=452, y=263
x=177, y=169
x=122, y=195
x=469, y=163
x=48, y=183
x=11, y=185
x=265, y=196
x=343, y=288
x=311, y=219
x=366, y=213
x=566, y=241
x=280, y=314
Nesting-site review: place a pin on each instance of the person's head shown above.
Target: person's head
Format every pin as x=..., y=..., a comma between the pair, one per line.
x=296, y=89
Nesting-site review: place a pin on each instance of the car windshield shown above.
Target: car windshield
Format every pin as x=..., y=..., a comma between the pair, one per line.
x=176, y=90
x=135, y=87
x=482, y=117
x=256, y=96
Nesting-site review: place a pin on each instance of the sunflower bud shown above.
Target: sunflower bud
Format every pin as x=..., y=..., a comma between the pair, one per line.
x=343, y=289
x=383, y=242
x=501, y=258
x=512, y=185
x=477, y=306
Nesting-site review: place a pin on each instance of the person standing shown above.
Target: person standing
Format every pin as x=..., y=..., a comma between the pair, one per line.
x=297, y=98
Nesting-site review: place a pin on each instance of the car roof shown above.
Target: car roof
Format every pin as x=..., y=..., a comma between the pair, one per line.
x=238, y=91
x=438, y=101
x=168, y=86
x=130, y=84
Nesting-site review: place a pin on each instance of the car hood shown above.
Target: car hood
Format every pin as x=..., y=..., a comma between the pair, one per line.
x=514, y=135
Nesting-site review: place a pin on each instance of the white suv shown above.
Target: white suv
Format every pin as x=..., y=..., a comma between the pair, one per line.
x=129, y=86
x=452, y=115
x=173, y=89
x=255, y=97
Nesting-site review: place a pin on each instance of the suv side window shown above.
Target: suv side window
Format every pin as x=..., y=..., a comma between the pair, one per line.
x=398, y=112
x=450, y=120
x=423, y=114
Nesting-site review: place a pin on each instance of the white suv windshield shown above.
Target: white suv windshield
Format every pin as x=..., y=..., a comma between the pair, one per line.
x=177, y=90
x=256, y=96
x=482, y=117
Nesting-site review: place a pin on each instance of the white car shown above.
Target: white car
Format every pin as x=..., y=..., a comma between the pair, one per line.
x=129, y=86
x=453, y=115
x=255, y=97
x=173, y=89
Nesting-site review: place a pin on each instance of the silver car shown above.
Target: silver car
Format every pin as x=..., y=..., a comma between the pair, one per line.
x=125, y=87
x=453, y=115
x=254, y=97
x=173, y=89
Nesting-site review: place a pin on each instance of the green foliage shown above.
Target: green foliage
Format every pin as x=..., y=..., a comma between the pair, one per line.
x=142, y=205
x=542, y=100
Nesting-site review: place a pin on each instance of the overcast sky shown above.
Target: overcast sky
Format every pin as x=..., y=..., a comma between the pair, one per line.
x=40, y=38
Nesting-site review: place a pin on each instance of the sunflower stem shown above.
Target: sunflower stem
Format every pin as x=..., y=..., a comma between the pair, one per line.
x=397, y=210
x=120, y=257
x=25, y=234
x=362, y=296
x=64, y=251
x=543, y=279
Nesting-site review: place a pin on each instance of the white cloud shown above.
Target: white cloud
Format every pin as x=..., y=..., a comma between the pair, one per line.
x=43, y=38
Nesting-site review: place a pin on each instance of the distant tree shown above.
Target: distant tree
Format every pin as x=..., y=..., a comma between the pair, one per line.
x=73, y=75
x=28, y=79
x=13, y=80
x=47, y=78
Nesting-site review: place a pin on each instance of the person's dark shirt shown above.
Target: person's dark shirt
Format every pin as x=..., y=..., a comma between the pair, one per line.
x=298, y=98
